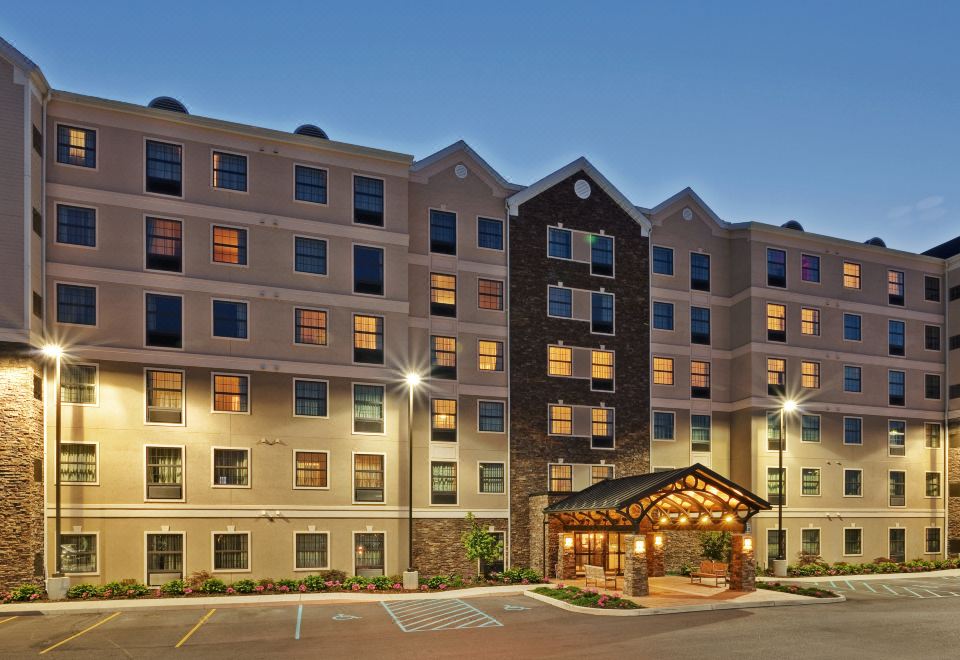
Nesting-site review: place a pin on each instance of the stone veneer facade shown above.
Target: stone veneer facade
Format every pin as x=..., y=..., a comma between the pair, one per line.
x=438, y=550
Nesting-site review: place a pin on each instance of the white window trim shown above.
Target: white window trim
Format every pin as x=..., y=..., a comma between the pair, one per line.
x=96, y=536
x=245, y=303
x=819, y=322
x=502, y=355
x=213, y=553
x=905, y=390
x=939, y=434
x=925, y=299
x=214, y=484
x=353, y=336
x=843, y=270
x=889, y=446
x=503, y=233
x=183, y=396
x=939, y=390
x=183, y=245
x=183, y=321
x=709, y=256
x=572, y=477
x=456, y=400
x=818, y=374
x=843, y=431
x=905, y=489
x=247, y=243
x=940, y=330
x=560, y=227
x=550, y=432
x=939, y=549
x=183, y=473
x=96, y=222
x=353, y=199
x=554, y=316
x=293, y=459
x=293, y=261
x=602, y=349
x=293, y=391
x=56, y=303
x=939, y=483
x=456, y=225
x=672, y=414
x=786, y=540
x=843, y=484
x=673, y=314
x=673, y=260
x=429, y=484
x=843, y=377
x=213, y=410
x=700, y=414
x=327, y=325
x=819, y=492
x=613, y=266
x=353, y=408
x=766, y=431
x=96, y=454
x=614, y=424
x=786, y=275
x=503, y=295
x=843, y=327
x=601, y=292
x=904, y=273
x=904, y=322
x=889, y=529
x=819, y=538
x=96, y=150
x=143, y=171
x=386, y=556
x=353, y=268
x=480, y=481
x=96, y=385
x=297, y=533
x=673, y=371
x=819, y=268
x=353, y=477
x=504, y=405
x=569, y=348
x=786, y=482
x=246, y=158
x=293, y=192
x=819, y=427
x=183, y=552
x=843, y=542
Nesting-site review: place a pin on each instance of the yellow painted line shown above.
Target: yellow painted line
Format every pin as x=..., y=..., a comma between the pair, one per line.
x=202, y=621
x=9, y=618
x=82, y=632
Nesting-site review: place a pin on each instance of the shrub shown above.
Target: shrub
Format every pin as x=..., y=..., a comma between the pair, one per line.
x=213, y=586
x=588, y=598
x=173, y=588
x=244, y=586
x=436, y=581
x=355, y=580
x=333, y=575
x=291, y=585
x=715, y=546
x=382, y=582
x=85, y=591
x=315, y=583
x=795, y=589
x=519, y=575
x=25, y=592
x=266, y=583
x=196, y=579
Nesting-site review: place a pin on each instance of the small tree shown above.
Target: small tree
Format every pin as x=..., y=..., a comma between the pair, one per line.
x=715, y=546
x=481, y=545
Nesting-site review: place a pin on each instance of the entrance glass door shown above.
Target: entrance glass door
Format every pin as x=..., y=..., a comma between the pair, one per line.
x=598, y=549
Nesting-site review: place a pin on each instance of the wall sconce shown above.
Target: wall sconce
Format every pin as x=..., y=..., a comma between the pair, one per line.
x=658, y=540
x=568, y=541
x=747, y=543
x=639, y=547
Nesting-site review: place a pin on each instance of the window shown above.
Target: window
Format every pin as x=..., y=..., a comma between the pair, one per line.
x=78, y=463
x=852, y=431
x=164, y=321
x=700, y=325
x=898, y=488
x=310, y=398
x=164, y=396
x=852, y=541
x=601, y=255
x=78, y=384
x=368, y=270
x=443, y=295
x=662, y=260
x=895, y=287
x=490, y=233
x=490, y=355
x=443, y=357
x=810, y=542
x=492, y=478
x=229, y=245
x=663, y=316
x=78, y=553
x=561, y=302
x=443, y=420
x=810, y=428
x=368, y=201
x=810, y=321
x=561, y=478
x=896, y=387
x=954, y=342
x=699, y=271
x=601, y=371
x=662, y=371
x=776, y=268
x=76, y=146
x=810, y=481
x=931, y=540
x=165, y=473
x=310, y=469
x=932, y=484
x=311, y=550
x=443, y=232
x=559, y=361
x=852, y=381
x=773, y=544
x=699, y=379
x=164, y=168
x=931, y=435
x=368, y=556
x=76, y=225
x=897, y=544
x=601, y=314
x=310, y=326
x=561, y=420
x=367, y=339
x=810, y=268
x=231, y=393
x=229, y=319
x=231, y=467
x=896, y=332
x=774, y=437
x=559, y=243
x=76, y=304
x=852, y=483
x=600, y=473
x=601, y=433
x=664, y=425
x=489, y=294
x=776, y=485
x=310, y=184
x=164, y=245
x=310, y=255
x=931, y=337
x=931, y=385
x=810, y=375
x=368, y=478
x=931, y=288
x=700, y=439
x=776, y=322
x=851, y=275
x=490, y=416
x=229, y=171
x=851, y=327
x=776, y=376
x=368, y=408
x=164, y=558
x=954, y=292
x=231, y=552
x=443, y=482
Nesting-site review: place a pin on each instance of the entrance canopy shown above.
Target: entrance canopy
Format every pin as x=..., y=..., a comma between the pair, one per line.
x=694, y=498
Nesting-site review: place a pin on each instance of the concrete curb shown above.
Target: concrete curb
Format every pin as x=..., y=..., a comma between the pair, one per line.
x=80, y=606
x=653, y=611
x=949, y=572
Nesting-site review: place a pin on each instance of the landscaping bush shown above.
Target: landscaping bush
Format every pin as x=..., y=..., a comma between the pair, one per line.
x=715, y=546
x=355, y=583
x=196, y=579
x=244, y=586
x=794, y=589
x=823, y=569
x=587, y=598
x=333, y=575
x=519, y=575
x=173, y=588
x=85, y=591
x=213, y=586
x=124, y=589
x=25, y=592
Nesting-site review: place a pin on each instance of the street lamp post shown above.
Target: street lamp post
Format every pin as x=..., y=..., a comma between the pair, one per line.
x=410, y=576
x=56, y=353
x=788, y=406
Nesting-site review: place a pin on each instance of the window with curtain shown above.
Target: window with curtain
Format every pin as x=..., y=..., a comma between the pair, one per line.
x=78, y=463
x=700, y=433
x=231, y=467
x=312, y=550
x=78, y=553
x=492, y=478
x=368, y=478
x=368, y=408
x=310, y=469
x=230, y=393
x=76, y=146
x=231, y=552
x=310, y=326
x=164, y=396
x=229, y=245
x=367, y=339
x=443, y=482
x=78, y=383
x=164, y=245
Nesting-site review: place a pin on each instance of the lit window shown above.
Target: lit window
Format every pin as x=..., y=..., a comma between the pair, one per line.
x=443, y=295
x=310, y=255
x=810, y=321
x=367, y=339
x=932, y=483
x=776, y=322
x=443, y=482
x=229, y=171
x=601, y=370
x=310, y=184
x=164, y=396
x=165, y=473
x=492, y=478
x=76, y=225
x=443, y=420
x=490, y=355
x=231, y=552
x=78, y=384
x=895, y=287
x=896, y=438
x=776, y=485
x=443, y=357
x=229, y=245
x=368, y=201
x=368, y=478
x=76, y=146
x=700, y=426
x=559, y=243
x=311, y=326
x=490, y=294
x=561, y=478
x=774, y=435
x=78, y=553
x=561, y=302
x=898, y=488
x=931, y=435
x=776, y=376
x=662, y=371
x=600, y=473
x=310, y=398
x=810, y=375
x=810, y=481
x=699, y=379
x=164, y=168
x=164, y=245
x=851, y=275
x=368, y=408
x=559, y=361
x=601, y=434
x=78, y=463
x=443, y=232
x=561, y=420
x=231, y=393
x=311, y=469
x=231, y=467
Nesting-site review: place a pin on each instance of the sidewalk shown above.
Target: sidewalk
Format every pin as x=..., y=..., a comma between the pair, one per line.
x=950, y=572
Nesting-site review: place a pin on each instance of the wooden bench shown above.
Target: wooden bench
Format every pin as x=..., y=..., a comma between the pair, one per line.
x=710, y=569
x=597, y=574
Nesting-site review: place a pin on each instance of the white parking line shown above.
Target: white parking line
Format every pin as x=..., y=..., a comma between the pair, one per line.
x=424, y=615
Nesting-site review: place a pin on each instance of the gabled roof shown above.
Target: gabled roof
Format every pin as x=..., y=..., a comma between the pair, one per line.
x=461, y=146
x=945, y=250
x=566, y=171
x=21, y=61
x=687, y=193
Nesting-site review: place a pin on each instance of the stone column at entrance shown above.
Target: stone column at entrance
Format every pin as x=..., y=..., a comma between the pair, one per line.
x=567, y=562
x=743, y=568
x=655, y=566
x=634, y=567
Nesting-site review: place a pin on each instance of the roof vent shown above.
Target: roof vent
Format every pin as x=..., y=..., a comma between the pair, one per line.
x=876, y=240
x=168, y=103
x=312, y=131
x=792, y=224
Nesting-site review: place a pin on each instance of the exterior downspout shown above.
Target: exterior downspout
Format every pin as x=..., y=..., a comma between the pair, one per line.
x=945, y=538
x=507, y=544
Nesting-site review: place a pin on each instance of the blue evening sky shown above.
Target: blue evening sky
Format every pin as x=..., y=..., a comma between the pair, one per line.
x=842, y=115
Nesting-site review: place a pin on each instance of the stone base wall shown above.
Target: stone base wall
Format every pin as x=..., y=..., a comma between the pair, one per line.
x=21, y=470
x=681, y=548
x=953, y=489
x=437, y=549
x=529, y=552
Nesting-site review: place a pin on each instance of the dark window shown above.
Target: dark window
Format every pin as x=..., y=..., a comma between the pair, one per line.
x=310, y=255
x=809, y=268
x=662, y=260
x=229, y=171
x=810, y=428
x=443, y=295
x=443, y=357
x=443, y=420
x=931, y=540
x=663, y=316
x=954, y=342
x=700, y=430
x=931, y=288
x=898, y=488
x=559, y=243
x=367, y=339
x=853, y=483
x=229, y=319
x=443, y=232
x=231, y=552
x=931, y=383
x=37, y=305
x=76, y=146
x=164, y=168
x=896, y=332
x=164, y=245
x=76, y=225
x=853, y=541
x=601, y=317
x=955, y=391
x=491, y=415
x=368, y=408
x=38, y=141
x=931, y=435
x=852, y=379
x=851, y=327
x=852, y=431
x=37, y=223
x=310, y=184
x=601, y=255
x=561, y=302
x=776, y=486
x=699, y=271
x=76, y=304
x=443, y=482
x=896, y=387
x=229, y=245
x=491, y=478
x=954, y=292
x=164, y=321
x=776, y=268
x=164, y=557
x=931, y=337
x=895, y=287
x=490, y=233
x=311, y=398
x=368, y=201
x=367, y=270
x=663, y=426
x=700, y=325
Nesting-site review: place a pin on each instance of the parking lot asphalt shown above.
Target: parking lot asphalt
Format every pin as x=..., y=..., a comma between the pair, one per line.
x=901, y=586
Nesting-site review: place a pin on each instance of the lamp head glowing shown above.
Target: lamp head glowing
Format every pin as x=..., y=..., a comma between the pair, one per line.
x=789, y=405
x=52, y=350
x=413, y=379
